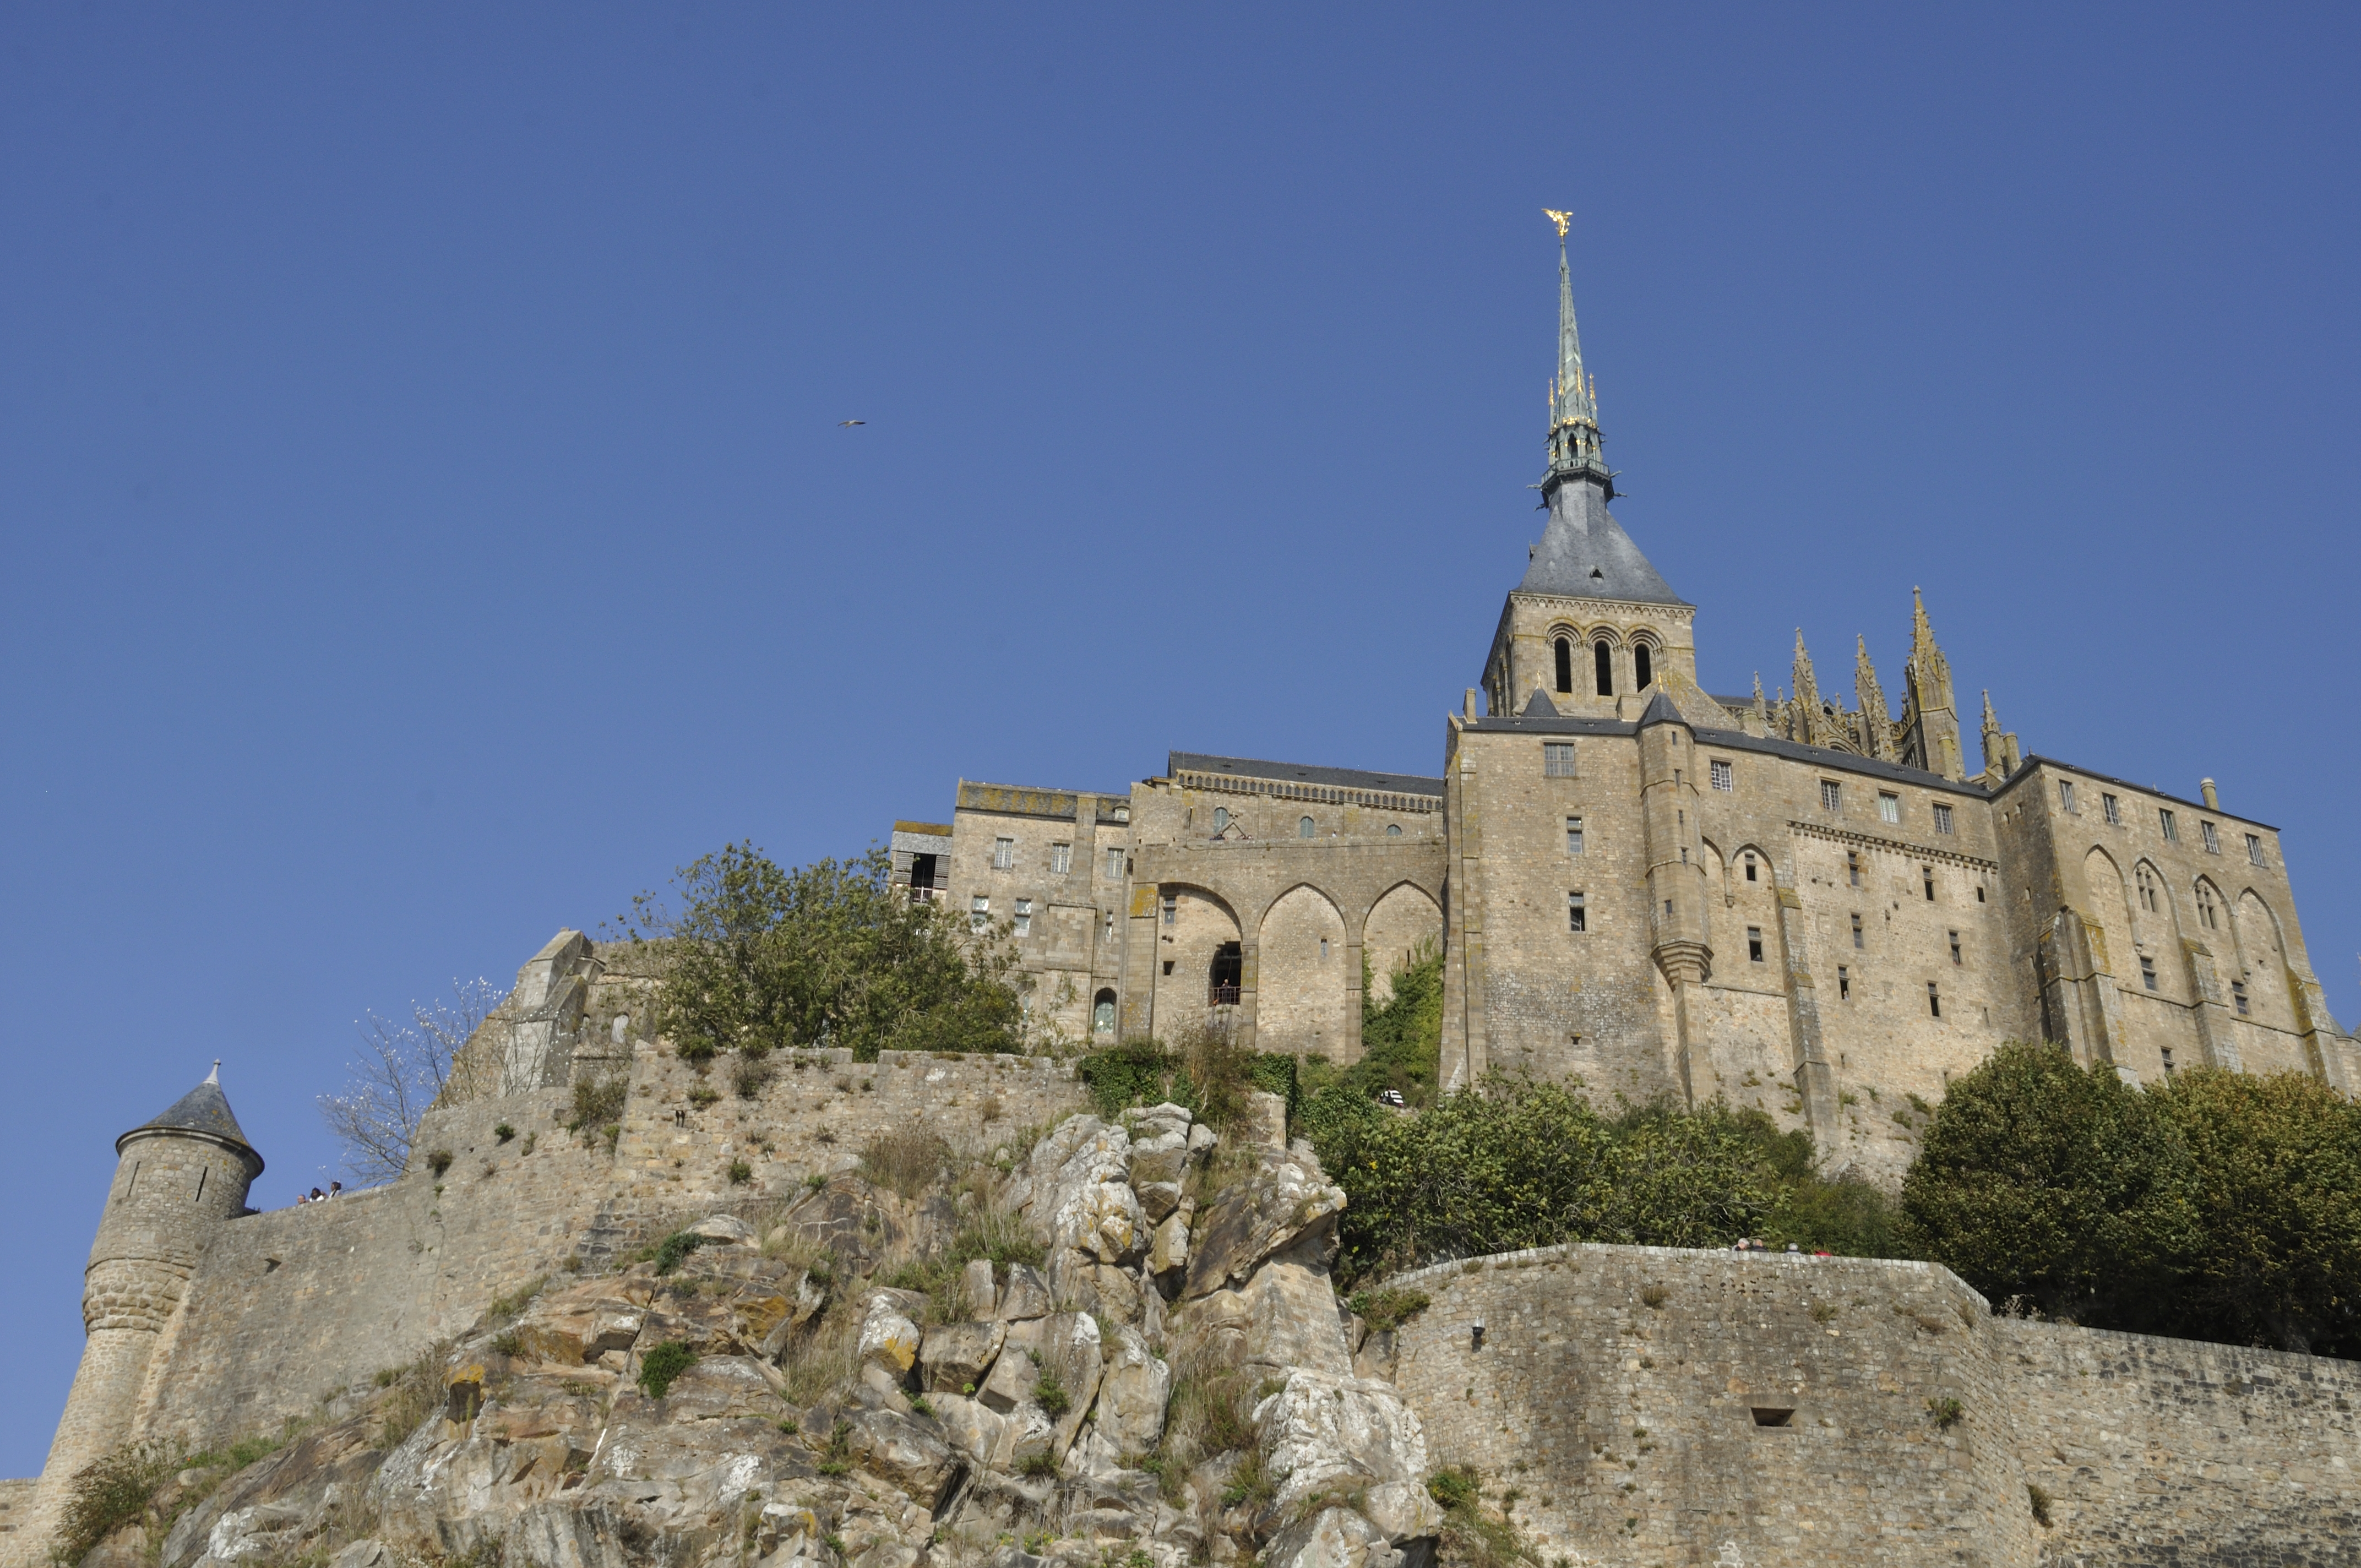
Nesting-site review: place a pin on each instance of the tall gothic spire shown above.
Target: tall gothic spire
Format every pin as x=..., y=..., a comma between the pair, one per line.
x=1808, y=697
x=1876, y=724
x=1574, y=445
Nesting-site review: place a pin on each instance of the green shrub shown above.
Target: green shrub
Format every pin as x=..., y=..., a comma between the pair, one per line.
x=1039, y=1464
x=112, y=1491
x=518, y=1299
x=1049, y=1392
x=438, y=1161
x=599, y=1102
x=908, y=1161
x=1207, y=1073
x=740, y=1173
x=663, y=1364
x=673, y=1250
x=1944, y=1412
x=504, y=1132
x=1387, y=1308
x=760, y=957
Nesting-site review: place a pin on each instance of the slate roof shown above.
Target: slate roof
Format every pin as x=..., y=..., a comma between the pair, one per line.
x=1301, y=772
x=1584, y=554
x=204, y=1109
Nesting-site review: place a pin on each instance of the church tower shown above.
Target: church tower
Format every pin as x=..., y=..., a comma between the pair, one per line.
x=178, y=1177
x=1592, y=630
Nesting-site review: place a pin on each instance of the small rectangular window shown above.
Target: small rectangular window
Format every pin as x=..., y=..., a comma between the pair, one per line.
x=1831, y=794
x=1107, y=935
x=1004, y=854
x=1574, y=835
x=1323, y=950
x=1024, y=916
x=2167, y=1060
x=1750, y=866
x=1172, y=908
x=1889, y=806
x=1934, y=1001
x=1062, y=859
x=2238, y=995
x=1856, y=931
x=1754, y=944
x=979, y=913
x=2147, y=973
x=1115, y=864
x=1844, y=983
x=1578, y=918
x=1955, y=949
x=2212, y=840
x=2112, y=810
x=2066, y=794
x=1557, y=759
x=2255, y=848
x=2170, y=828
x=1942, y=817
x=1722, y=778
x=1853, y=867
x=1927, y=873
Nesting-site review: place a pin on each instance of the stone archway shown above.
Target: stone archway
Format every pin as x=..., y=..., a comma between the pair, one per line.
x=1304, y=988
x=1399, y=924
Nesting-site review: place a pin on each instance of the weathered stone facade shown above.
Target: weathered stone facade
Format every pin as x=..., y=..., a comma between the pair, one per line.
x=1781, y=902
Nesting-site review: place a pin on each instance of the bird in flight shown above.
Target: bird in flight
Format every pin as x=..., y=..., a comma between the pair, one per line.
x=848, y=423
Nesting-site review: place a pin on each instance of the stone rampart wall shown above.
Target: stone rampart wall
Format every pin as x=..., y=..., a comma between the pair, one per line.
x=290, y=1305
x=2165, y=1450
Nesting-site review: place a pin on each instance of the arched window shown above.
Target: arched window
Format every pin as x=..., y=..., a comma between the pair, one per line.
x=1393, y=829
x=1221, y=817
x=1565, y=665
x=2205, y=907
x=1303, y=828
x=1103, y=1013
x=1642, y=676
x=1603, y=659
x=2147, y=891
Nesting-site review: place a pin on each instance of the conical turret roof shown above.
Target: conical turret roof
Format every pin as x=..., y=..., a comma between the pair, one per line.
x=204, y=1109
x=1584, y=554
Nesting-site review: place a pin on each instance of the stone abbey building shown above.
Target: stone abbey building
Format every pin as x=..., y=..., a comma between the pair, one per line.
x=1785, y=902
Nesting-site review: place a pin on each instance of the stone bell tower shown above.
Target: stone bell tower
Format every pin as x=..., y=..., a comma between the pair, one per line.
x=178, y=1177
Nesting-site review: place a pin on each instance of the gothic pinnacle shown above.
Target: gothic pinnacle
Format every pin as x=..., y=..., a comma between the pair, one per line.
x=1574, y=446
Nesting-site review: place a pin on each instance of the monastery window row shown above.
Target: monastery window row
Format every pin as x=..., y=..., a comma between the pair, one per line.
x=2168, y=824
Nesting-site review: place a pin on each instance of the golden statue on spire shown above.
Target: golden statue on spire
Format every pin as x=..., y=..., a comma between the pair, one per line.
x=1560, y=219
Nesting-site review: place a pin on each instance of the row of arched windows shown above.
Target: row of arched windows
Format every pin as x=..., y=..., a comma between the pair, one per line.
x=1602, y=665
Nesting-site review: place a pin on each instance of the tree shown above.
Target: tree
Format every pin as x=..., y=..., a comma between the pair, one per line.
x=829, y=954
x=2278, y=1193
x=401, y=1069
x=2068, y=1189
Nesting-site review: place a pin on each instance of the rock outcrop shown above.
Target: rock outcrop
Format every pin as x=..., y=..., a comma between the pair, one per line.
x=839, y=1387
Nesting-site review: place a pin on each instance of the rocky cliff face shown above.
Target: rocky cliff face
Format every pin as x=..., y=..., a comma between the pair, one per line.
x=1146, y=1363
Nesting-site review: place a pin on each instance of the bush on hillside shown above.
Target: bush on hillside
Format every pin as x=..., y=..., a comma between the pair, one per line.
x=1206, y=1072
x=828, y=954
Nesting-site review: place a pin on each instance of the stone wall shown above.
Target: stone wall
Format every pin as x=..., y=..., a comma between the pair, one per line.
x=2160, y=1452
x=1623, y=1391
x=293, y=1304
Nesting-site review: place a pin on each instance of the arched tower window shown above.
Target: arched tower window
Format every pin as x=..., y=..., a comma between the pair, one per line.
x=1564, y=665
x=1103, y=1013
x=1643, y=675
x=1602, y=659
x=1303, y=828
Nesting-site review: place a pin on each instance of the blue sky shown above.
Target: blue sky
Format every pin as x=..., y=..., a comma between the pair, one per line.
x=426, y=519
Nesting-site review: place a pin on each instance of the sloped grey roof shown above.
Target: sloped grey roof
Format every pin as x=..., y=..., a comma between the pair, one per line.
x=1660, y=710
x=1584, y=554
x=1301, y=772
x=204, y=1109
x=1538, y=706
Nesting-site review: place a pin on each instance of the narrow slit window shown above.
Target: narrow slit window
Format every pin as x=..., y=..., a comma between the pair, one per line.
x=1927, y=873
x=1574, y=835
x=1856, y=931
x=1024, y=916
x=1853, y=867
x=200, y=1185
x=1565, y=665
x=2238, y=995
x=1171, y=909
x=1577, y=915
x=1754, y=944
x=1750, y=866
x=1956, y=960
x=2147, y=973
x=2066, y=794
x=979, y=913
x=1602, y=665
x=1934, y=999
x=2166, y=1052
x=1844, y=983
x=1643, y=670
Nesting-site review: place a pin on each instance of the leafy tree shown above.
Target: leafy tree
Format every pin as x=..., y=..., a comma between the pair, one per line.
x=2067, y=1188
x=2278, y=1195
x=828, y=954
x=1849, y=1215
x=1520, y=1164
x=1401, y=1038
